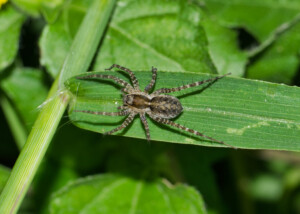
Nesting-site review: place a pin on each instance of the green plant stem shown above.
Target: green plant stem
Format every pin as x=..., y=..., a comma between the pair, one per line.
x=18, y=130
x=33, y=152
x=77, y=61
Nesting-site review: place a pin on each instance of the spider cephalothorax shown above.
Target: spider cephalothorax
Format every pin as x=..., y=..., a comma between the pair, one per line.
x=157, y=105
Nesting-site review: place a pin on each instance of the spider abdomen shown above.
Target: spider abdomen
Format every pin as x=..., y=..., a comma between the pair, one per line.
x=165, y=106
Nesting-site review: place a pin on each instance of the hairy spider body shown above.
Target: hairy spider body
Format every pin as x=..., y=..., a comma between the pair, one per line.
x=164, y=106
x=157, y=105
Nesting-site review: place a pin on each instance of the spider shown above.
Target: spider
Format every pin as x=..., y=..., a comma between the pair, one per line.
x=157, y=105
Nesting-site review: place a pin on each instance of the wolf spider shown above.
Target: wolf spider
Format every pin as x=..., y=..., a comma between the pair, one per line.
x=158, y=106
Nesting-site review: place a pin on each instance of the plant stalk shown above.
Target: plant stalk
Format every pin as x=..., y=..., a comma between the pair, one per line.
x=77, y=61
x=33, y=152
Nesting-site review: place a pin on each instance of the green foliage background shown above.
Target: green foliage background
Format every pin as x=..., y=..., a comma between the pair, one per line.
x=257, y=41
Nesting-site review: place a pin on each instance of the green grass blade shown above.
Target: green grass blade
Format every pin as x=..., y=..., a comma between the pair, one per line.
x=243, y=113
x=33, y=152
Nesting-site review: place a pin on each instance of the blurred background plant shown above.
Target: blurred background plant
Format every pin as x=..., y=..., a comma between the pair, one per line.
x=252, y=39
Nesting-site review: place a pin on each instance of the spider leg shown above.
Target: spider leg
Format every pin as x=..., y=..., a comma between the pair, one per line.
x=134, y=80
x=126, y=122
x=127, y=90
x=127, y=86
x=152, y=82
x=169, y=90
x=144, y=120
x=123, y=107
x=120, y=113
x=171, y=123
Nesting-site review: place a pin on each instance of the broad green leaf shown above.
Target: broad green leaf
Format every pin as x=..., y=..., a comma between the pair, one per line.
x=119, y=194
x=26, y=90
x=4, y=174
x=141, y=34
x=279, y=62
x=260, y=18
x=10, y=25
x=223, y=49
x=159, y=33
x=243, y=113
